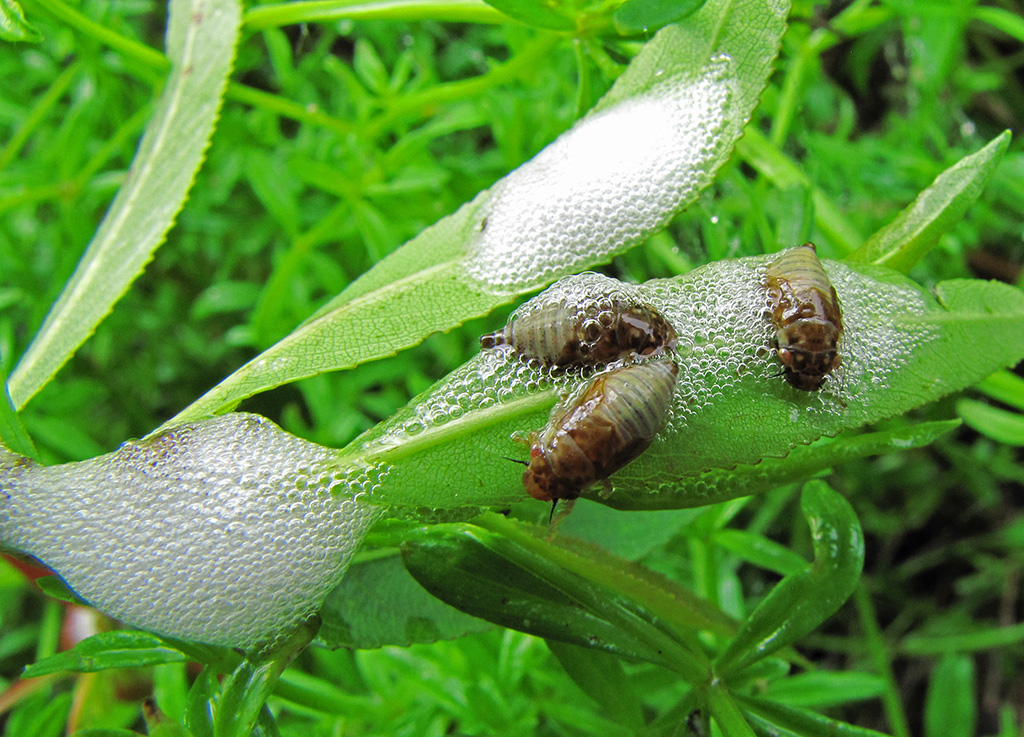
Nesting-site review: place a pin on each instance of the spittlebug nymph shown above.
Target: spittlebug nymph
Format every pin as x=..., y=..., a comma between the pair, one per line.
x=808, y=321
x=611, y=423
x=597, y=331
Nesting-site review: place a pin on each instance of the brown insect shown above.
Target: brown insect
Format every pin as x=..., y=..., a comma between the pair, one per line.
x=808, y=321
x=598, y=331
x=610, y=424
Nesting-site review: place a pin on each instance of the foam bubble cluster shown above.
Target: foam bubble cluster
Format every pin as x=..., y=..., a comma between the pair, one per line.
x=613, y=179
x=731, y=404
x=228, y=531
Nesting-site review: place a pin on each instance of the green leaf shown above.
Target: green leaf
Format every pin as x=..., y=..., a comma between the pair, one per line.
x=13, y=26
x=643, y=16
x=201, y=39
x=1005, y=387
x=581, y=596
x=940, y=644
x=788, y=721
x=12, y=431
x=102, y=732
x=243, y=696
x=535, y=13
x=201, y=699
x=602, y=678
x=317, y=694
x=616, y=532
x=902, y=348
x=949, y=709
x=759, y=551
x=378, y=603
x=802, y=601
x=821, y=689
x=121, y=649
x=904, y=241
x=718, y=485
x=652, y=143
x=999, y=424
x=55, y=588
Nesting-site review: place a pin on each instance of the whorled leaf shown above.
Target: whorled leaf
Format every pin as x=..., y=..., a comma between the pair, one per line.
x=201, y=38
x=651, y=144
x=569, y=592
x=902, y=347
x=804, y=599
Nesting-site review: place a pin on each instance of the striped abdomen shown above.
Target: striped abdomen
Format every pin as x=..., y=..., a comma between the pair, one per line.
x=610, y=424
x=808, y=321
x=599, y=331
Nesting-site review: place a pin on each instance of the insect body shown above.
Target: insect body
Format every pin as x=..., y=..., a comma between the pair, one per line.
x=808, y=321
x=610, y=424
x=600, y=330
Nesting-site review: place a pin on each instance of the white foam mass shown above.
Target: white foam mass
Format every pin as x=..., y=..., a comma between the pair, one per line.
x=617, y=176
x=229, y=531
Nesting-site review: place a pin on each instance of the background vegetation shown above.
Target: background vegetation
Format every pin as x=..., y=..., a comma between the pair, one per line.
x=341, y=140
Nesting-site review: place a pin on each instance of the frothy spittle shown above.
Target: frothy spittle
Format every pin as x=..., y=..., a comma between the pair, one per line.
x=228, y=531
x=730, y=405
x=606, y=184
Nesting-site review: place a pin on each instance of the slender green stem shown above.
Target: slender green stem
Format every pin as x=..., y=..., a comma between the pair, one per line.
x=127, y=47
x=312, y=11
x=525, y=61
x=127, y=130
x=883, y=662
x=39, y=111
x=772, y=163
x=286, y=108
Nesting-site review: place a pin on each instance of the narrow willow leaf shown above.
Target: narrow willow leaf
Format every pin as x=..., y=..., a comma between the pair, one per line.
x=904, y=241
x=13, y=26
x=648, y=148
x=788, y=721
x=803, y=600
x=227, y=532
x=993, y=422
x=535, y=13
x=120, y=649
x=378, y=603
x=901, y=348
x=643, y=16
x=601, y=677
x=201, y=37
x=949, y=709
x=520, y=582
x=804, y=461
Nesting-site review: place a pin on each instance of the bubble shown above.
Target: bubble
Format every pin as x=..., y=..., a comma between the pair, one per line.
x=607, y=183
x=228, y=531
